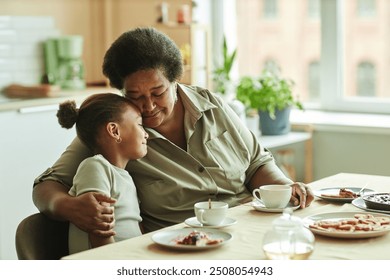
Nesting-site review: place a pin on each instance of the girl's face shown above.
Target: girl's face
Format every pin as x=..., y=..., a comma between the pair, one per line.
x=153, y=94
x=133, y=134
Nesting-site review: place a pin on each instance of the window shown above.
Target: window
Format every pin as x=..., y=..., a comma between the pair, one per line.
x=338, y=62
x=366, y=8
x=270, y=9
x=272, y=66
x=349, y=41
x=314, y=81
x=366, y=79
x=314, y=9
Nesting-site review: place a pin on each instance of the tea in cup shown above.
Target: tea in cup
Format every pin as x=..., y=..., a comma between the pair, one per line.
x=211, y=213
x=273, y=196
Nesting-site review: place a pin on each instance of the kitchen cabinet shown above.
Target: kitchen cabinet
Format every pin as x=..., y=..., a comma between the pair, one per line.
x=31, y=140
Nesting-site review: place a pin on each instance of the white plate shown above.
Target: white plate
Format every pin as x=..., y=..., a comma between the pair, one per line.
x=359, y=203
x=335, y=191
x=169, y=238
x=335, y=216
x=193, y=222
x=261, y=207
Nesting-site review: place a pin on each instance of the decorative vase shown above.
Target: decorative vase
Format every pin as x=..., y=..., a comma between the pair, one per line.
x=278, y=126
x=230, y=97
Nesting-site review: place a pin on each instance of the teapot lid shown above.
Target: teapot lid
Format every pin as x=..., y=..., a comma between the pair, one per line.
x=287, y=220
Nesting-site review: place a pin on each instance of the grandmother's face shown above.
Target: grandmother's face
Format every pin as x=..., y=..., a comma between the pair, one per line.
x=153, y=94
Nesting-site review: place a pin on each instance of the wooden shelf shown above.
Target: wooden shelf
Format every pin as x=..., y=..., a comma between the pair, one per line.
x=197, y=38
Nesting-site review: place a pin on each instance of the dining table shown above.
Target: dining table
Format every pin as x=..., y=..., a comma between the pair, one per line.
x=251, y=226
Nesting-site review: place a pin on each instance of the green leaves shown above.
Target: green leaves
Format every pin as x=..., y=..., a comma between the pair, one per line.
x=222, y=73
x=267, y=93
x=228, y=59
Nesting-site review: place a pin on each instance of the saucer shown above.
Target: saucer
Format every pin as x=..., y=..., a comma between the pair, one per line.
x=260, y=207
x=193, y=222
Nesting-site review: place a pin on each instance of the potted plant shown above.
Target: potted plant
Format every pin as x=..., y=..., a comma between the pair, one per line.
x=223, y=82
x=272, y=97
x=222, y=79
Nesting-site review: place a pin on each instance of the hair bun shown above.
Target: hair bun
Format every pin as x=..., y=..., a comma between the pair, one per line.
x=67, y=114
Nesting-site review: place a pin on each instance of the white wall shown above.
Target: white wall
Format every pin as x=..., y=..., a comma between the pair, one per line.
x=351, y=151
x=338, y=149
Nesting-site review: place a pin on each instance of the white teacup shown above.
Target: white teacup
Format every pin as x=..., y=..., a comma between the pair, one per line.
x=273, y=196
x=211, y=214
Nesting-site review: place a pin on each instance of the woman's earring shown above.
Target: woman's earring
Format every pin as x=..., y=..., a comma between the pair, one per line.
x=118, y=140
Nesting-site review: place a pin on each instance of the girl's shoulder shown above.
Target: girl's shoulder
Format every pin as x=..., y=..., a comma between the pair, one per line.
x=95, y=160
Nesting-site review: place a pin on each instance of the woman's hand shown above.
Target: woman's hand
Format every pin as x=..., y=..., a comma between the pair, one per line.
x=301, y=195
x=93, y=213
x=98, y=240
x=84, y=211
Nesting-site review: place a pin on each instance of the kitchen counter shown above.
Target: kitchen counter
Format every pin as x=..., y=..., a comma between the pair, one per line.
x=20, y=104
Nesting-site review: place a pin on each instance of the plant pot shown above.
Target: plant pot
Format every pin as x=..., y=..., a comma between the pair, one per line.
x=278, y=126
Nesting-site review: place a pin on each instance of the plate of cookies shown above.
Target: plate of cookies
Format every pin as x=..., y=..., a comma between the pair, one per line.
x=349, y=224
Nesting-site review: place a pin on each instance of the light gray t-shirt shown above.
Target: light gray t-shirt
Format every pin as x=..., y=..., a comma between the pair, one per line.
x=96, y=174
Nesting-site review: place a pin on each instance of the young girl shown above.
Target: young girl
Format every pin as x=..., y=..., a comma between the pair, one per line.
x=111, y=127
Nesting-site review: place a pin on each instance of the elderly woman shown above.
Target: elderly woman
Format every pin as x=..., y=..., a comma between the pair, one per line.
x=198, y=147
